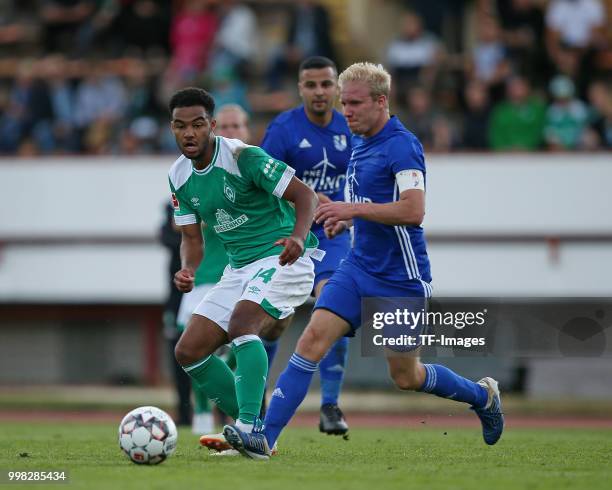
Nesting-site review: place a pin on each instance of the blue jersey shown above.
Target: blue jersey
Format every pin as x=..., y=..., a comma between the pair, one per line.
x=394, y=253
x=318, y=154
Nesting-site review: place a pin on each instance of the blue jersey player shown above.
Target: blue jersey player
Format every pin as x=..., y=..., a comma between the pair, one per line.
x=315, y=140
x=387, y=185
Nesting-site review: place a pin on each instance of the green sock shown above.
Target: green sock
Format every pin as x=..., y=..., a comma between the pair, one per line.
x=230, y=360
x=251, y=372
x=216, y=380
x=200, y=398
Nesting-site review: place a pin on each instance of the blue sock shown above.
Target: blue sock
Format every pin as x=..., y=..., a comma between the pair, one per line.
x=331, y=369
x=271, y=347
x=291, y=388
x=443, y=382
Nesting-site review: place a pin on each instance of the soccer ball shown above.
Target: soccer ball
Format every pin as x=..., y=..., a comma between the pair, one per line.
x=147, y=435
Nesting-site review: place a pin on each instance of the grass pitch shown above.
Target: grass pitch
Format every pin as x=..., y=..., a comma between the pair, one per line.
x=376, y=459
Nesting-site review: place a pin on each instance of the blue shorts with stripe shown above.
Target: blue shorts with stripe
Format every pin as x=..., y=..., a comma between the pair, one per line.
x=350, y=283
x=335, y=251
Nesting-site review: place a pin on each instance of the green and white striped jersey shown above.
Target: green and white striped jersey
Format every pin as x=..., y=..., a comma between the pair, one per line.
x=238, y=195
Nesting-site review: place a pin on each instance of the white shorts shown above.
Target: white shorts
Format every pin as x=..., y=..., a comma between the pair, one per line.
x=278, y=290
x=189, y=302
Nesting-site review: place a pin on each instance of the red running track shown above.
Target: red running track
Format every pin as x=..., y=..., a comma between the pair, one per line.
x=355, y=419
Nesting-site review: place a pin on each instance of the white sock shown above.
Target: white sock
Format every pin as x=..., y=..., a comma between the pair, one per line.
x=244, y=427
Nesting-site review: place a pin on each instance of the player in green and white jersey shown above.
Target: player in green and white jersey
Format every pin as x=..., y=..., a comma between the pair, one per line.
x=244, y=196
x=232, y=122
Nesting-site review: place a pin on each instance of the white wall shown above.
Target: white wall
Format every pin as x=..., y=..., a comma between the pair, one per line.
x=468, y=195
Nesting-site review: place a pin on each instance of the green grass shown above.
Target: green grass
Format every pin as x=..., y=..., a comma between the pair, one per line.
x=422, y=458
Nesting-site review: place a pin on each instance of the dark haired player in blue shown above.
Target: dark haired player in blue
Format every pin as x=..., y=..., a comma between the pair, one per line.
x=315, y=140
x=386, y=179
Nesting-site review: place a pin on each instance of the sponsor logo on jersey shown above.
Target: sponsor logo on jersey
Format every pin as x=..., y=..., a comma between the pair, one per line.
x=195, y=201
x=340, y=142
x=323, y=183
x=254, y=290
x=175, y=203
x=229, y=192
x=305, y=144
x=318, y=180
x=226, y=222
x=271, y=168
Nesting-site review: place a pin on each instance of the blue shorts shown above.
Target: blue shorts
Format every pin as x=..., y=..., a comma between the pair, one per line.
x=346, y=288
x=335, y=250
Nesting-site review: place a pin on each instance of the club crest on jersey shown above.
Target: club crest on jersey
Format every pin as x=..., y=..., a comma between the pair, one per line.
x=340, y=142
x=175, y=203
x=226, y=222
x=229, y=192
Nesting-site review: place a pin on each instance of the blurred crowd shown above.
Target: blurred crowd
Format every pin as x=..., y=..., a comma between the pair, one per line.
x=94, y=76
x=535, y=74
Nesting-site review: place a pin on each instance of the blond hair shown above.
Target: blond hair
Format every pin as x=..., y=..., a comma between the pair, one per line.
x=375, y=76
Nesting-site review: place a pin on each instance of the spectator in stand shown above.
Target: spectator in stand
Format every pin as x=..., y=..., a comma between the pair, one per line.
x=443, y=18
x=566, y=118
x=577, y=24
x=517, y=124
x=29, y=114
x=308, y=35
x=488, y=62
x=142, y=113
x=141, y=24
x=66, y=25
x=575, y=30
x=476, y=117
x=444, y=135
x=226, y=88
x=100, y=104
x=192, y=34
x=600, y=99
x=56, y=71
x=522, y=23
x=420, y=115
x=433, y=128
x=414, y=56
x=236, y=42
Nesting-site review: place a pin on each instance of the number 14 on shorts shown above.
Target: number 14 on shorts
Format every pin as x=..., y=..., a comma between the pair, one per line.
x=266, y=275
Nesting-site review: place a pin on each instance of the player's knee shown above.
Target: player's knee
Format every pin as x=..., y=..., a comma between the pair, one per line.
x=241, y=325
x=405, y=380
x=185, y=354
x=248, y=321
x=275, y=330
x=313, y=344
x=237, y=330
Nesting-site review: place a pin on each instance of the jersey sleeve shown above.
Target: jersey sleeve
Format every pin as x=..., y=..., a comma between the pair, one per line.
x=184, y=214
x=274, y=142
x=264, y=171
x=406, y=154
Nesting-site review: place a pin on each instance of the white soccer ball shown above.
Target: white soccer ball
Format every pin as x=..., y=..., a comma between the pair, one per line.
x=147, y=435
